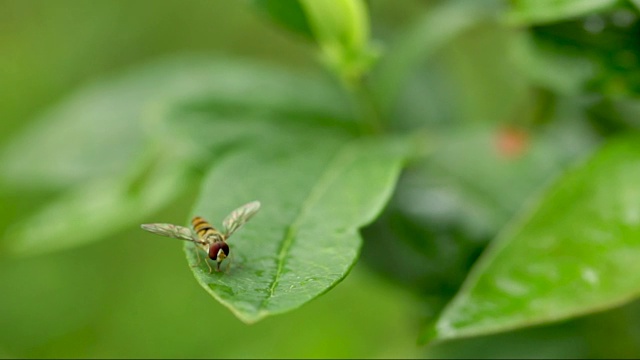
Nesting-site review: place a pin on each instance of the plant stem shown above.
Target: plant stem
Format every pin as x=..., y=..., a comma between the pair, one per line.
x=371, y=118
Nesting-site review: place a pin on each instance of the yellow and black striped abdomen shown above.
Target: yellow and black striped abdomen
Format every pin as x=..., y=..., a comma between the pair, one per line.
x=203, y=228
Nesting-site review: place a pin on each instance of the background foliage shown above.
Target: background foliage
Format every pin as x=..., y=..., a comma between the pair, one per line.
x=438, y=178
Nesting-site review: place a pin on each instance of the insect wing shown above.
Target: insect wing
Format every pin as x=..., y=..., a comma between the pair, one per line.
x=239, y=216
x=174, y=231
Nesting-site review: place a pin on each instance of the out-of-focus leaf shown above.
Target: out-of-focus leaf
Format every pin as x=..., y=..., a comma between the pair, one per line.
x=558, y=71
x=448, y=205
x=97, y=144
x=317, y=189
x=561, y=341
x=287, y=13
x=421, y=40
x=341, y=28
x=526, y=12
x=605, y=46
x=575, y=252
x=98, y=130
x=480, y=176
x=92, y=210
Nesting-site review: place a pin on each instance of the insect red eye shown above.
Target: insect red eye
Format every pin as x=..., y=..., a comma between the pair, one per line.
x=213, y=251
x=225, y=248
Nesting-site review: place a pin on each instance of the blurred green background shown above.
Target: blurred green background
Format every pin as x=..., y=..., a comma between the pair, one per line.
x=133, y=296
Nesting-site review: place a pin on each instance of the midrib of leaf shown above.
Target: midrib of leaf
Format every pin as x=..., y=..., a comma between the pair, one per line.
x=338, y=162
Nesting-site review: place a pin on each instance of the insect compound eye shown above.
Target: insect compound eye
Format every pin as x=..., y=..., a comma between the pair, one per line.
x=225, y=248
x=213, y=251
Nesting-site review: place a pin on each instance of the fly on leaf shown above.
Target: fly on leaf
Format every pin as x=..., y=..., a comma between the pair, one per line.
x=207, y=237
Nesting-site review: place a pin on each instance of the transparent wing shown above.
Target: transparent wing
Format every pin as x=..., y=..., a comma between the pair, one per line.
x=174, y=231
x=239, y=216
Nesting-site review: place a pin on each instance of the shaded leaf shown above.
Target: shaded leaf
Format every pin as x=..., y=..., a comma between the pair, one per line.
x=305, y=238
x=574, y=252
x=563, y=72
x=602, y=47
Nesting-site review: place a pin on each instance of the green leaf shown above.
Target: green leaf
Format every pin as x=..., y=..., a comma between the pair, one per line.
x=95, y=209
x=317, y=189
x=564, y=73
x=421, y=40
x=286, y=13
x=526, y=12
x=575, y=252
x=97, y=131
x=602, y=56
x=479, y=194
x=341, y=28
x=118, y=158
x=448, y=205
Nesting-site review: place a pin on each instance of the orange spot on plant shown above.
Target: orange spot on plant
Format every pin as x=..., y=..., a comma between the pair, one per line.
x=512, y=142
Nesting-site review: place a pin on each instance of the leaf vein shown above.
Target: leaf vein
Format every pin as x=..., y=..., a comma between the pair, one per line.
x=336, y=165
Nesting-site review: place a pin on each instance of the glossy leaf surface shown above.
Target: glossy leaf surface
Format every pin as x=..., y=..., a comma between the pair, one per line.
x=575, y=252
x=316, y=191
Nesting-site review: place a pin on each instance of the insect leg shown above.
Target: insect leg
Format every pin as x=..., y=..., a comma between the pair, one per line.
x=230, y=259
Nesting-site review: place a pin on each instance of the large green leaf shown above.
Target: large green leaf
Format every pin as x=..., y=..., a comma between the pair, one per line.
x=113, y=149
x=575, y=252
x=316, y=191
x=100, y=128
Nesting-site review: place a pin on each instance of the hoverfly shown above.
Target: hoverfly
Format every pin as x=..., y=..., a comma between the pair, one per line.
x=205, y=236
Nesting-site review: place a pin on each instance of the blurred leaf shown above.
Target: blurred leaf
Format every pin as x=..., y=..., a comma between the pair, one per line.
x=563, y=73
x=526, y=12
x=574, y=252
x=112, y=146
x=95, y=209
x=560, y=341
x=305, y=238
x=448, y=205
x=422, y=39
x=341, y=28
x=110, y=121
x=286, y=13
x=480, y=193
x=605, y=46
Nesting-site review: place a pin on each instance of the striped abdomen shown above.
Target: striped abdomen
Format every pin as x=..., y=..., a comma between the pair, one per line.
x=205, y=230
